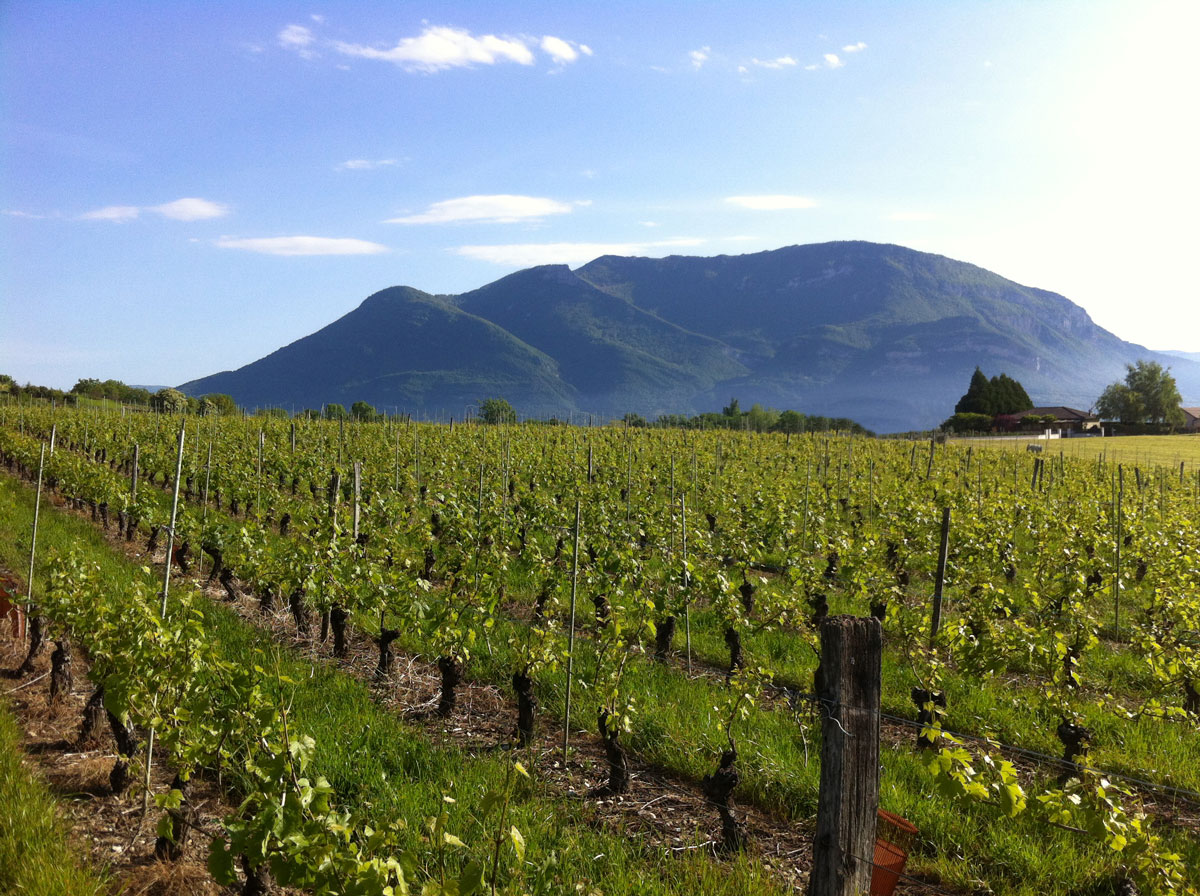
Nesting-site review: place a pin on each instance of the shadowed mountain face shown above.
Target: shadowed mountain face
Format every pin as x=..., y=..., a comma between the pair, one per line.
x=882, y=334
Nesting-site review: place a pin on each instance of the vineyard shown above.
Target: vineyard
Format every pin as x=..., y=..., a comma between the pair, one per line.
x=489, y=659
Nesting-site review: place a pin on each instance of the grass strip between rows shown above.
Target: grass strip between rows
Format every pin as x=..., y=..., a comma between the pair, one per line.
x=36, y=858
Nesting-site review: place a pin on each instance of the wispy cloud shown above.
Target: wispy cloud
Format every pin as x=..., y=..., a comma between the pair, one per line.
x=441, y=47
x=833, y=60
x=777, y=63
x=18, y=213
x=186, y=209
x=112, y=213
x=190, y=209
x=772, y=202
x=298, y=39
x=530, y=254
x=302, y=245
x=699, y=57
x=365, y=164
x=500, y=208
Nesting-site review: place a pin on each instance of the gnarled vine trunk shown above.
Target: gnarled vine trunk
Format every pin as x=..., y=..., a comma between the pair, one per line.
x=718, y=789
x=61, y=677
x=299, y=611
x=385, y=639
x=37, y=636
x=93, y=720
x=614, y=755
x=664, y=635
x=929, y=712
x=127, y=744
x=451, y=668
x=170, y=844
x=337, y=622
x=526, y=707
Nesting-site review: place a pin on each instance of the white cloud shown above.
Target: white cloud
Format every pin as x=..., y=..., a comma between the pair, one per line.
x=187, y=209
x=299, y=39
x=780, y=62
x=832, y=60
x=530, y=254
x=18, y=213
x=854, y=48
x=910, y=216
x=190, y=209
x=499, y=208
x=365, y=164
x=559, y=50
x=699, y=57
x=772, y=202
x=112, y=213
x=438, y=48
x=303, y=245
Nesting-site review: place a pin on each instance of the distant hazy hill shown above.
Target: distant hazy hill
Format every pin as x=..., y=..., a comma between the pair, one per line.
x=1187, y=356
x=882, y=334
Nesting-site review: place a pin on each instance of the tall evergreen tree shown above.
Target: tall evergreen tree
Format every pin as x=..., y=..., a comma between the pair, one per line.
x=1008, y=396
x=999, y=395
x=978, y=397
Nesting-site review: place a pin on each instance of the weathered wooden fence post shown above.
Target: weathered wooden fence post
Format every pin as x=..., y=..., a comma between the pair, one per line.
x=848, y=688
x=571, y=634
x=939, y=581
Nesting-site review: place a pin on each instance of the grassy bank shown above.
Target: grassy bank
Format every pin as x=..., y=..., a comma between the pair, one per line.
x=36, y=858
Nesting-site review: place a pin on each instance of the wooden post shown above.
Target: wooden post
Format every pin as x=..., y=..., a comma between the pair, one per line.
x=571, y=635
x=37, y=507
x=357, y=496
x=207, y=478
x=258, y=475
x=133, y=477
x=938, y=582
x=848, y=689
x=1120, y=538
x=628, y=474
x=687, y=591
x=162, y=610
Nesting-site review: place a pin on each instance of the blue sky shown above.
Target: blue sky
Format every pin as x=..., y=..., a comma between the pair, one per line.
x=185, y=187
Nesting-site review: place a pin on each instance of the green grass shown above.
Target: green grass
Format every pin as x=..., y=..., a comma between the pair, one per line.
x=35, y=856
x=1143, y=451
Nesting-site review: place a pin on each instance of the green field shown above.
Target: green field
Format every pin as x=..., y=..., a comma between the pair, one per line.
x=1144, y=451
x=1066, y=601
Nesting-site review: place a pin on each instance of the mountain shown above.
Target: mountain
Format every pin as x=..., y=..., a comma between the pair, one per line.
x=885, y=335
x=402, y=350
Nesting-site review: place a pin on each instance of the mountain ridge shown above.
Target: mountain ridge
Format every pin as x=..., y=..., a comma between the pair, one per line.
x=879, y=333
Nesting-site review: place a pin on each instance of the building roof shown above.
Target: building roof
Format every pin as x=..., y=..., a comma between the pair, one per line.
x=1059, y=413
x=1194, y=413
